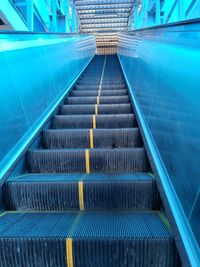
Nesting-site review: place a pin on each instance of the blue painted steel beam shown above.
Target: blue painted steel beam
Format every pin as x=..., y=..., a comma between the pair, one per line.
x=181, y=9
x=54, y=15
x=30, y=15
x=158, y=20
x=136, y=18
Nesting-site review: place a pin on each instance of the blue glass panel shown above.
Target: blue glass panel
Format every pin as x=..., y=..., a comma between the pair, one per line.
x=162, y=67
x=36, y=70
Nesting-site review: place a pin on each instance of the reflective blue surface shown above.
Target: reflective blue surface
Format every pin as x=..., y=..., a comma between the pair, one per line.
x=35, y=71
x=163, y=69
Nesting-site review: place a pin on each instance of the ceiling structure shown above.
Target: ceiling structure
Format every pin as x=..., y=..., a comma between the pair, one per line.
x=104, y=18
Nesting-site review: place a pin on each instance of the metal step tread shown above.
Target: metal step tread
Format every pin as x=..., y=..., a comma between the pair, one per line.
x=84, y=225
x=75, y=177
x=86, y=239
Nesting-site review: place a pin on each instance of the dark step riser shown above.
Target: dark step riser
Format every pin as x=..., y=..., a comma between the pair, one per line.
x=115, y=252
x=76, y=161
x=82, y=139
x=90, y=109
x=97, y=195
x=88, y=81
x=96, y=87
x=93, y=100
x=99, y=121
x=96, y=92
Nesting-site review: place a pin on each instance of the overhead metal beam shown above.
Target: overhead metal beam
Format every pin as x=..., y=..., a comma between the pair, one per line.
x=136, y=14
x=106, y=6
x=107, y=43
x=103, y=25
x=30, y=15
x=102, y=2
x=106, y=20
x=106, y=11
x=104, y=30
x=181, y=9
x=158, y=21
x=100, y=5
x=101, y=16
x=54, y=15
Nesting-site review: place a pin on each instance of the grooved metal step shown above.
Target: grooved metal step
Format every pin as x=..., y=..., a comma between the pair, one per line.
x=92, y=108
x=86, y=239
x=96, y=92
x=94, y=100
x=99, y=192
x=87, y=198
x=100, y=138
x=96, y=87
x=91, y=81
x=94, y=160
x=93, y=121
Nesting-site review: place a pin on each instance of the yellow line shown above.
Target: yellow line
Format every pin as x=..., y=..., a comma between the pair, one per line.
x=87, y=161
x=69, y=252
x=81, y=195
x=94, y=121
x=151, y=174
x=2, y=214
x=98, y=100
x=104, y=64
x=96, y=109
x=91, y=139
x=164, y=219
x=99, y=93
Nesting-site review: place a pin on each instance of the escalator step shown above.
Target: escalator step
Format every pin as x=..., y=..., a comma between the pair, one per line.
x=101, y=109
x=86, y=239
x=102, y=100
x=93, y=121
x=95, y=80
x=87, y=197
x=96, y=86
x=111, y=192
x=95, y=92
x=101, y=138
x=94, y=160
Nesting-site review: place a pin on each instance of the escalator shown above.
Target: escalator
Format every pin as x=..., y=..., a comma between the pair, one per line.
x=89, y=198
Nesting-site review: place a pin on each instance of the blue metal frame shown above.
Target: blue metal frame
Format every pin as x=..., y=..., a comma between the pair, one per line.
x=153, y=12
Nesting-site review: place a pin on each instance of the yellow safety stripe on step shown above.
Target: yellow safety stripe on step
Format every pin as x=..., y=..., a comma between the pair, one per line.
x=104, y=64
x=151, y=174
x=87, y=161
x=164, y=219
x=98, y=100
x=81, y=195
x=91, y=139
x=2, y=214
x=99, y=93
x=96, y=109
x=69, y=252
x=94, y=121
x=102, y=74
